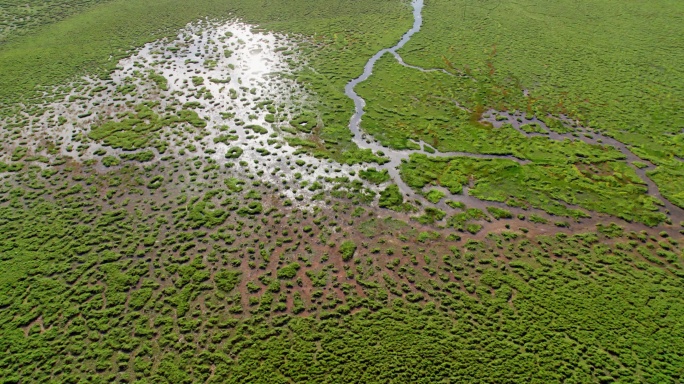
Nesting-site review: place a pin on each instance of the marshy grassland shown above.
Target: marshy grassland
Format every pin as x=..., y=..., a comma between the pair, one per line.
x=203, y=193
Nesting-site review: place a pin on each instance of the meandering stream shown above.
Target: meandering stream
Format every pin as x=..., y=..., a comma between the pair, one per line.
x=366, y=141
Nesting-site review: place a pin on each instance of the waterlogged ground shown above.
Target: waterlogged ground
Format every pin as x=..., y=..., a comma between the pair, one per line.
x=219, y=91
x=227, y=92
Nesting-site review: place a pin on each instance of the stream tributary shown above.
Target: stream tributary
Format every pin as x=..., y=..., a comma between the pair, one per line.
x=366, y=141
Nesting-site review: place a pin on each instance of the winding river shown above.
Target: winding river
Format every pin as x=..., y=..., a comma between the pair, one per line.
x=366, y=141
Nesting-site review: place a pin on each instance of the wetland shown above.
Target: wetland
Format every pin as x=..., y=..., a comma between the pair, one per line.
x=339, y=191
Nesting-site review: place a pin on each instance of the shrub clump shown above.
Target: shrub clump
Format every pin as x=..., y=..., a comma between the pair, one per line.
x=234, y=153
x=227, y=280
x=289, y=271
x=391, y=197
x=499, y=213
x=374, y=176
x=347, y=249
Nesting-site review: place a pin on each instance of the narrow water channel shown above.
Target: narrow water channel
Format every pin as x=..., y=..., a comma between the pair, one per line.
x=366, y=141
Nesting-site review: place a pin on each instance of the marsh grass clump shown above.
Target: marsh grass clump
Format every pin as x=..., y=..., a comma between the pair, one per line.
x=434, y=196
x=234, y=153
x=499, y=213
x=289, y=271
x=140, y=129
x=347, y=250
x=305, y=122
x=431, y=215
x=374, y=175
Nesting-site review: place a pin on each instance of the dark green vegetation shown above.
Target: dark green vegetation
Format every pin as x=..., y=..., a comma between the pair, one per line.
x=99, y=286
